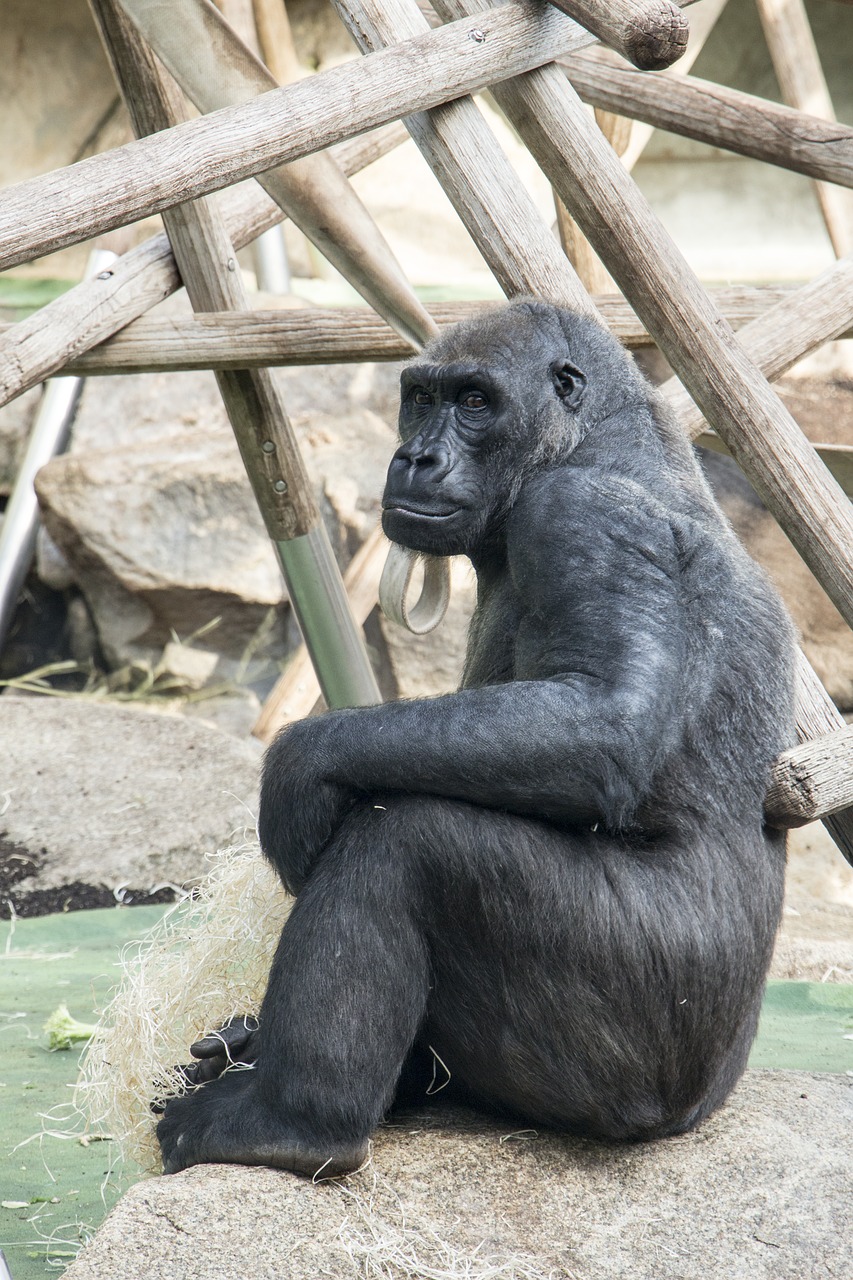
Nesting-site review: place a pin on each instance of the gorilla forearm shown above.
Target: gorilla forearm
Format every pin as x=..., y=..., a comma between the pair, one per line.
x=562, y=750
x=535, y=747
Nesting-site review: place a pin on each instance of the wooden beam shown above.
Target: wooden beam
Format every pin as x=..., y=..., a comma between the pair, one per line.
x=721, y=117
x=264, y=434
x=650, y=33
x=468, y=161
x=34, y=348
x=798, y=324
x=57, y=209
x=243, y=340
x=216, y=69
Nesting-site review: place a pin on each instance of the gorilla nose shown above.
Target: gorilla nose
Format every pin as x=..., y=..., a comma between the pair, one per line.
x=431, y=459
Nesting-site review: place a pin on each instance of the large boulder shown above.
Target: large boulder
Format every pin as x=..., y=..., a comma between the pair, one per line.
x=96, y=796
x=760, y=1191
x=154, y=515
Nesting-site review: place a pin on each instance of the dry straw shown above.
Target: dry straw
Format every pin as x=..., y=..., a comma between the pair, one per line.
x=207, y=959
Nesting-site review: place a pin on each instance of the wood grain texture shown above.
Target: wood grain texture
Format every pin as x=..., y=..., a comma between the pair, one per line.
x=481, y=184
x=721, y=117
x=92, y=311
x=799, y=72
x=155, y=173
x=223, y=340
x=650, y=33
x=798, y=324
x=811, y=781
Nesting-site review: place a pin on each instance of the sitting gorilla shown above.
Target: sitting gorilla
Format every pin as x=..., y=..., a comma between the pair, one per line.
x=555, y=885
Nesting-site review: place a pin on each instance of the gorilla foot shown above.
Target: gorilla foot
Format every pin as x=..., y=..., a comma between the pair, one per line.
x=224, y=1122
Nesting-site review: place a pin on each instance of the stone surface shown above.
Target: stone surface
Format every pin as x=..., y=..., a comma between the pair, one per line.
x=108, y=795
x=759, y=1192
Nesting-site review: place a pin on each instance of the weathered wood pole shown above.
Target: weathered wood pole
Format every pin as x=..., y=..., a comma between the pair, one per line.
x=722, y=117
x=650, y=33
x=92, y=311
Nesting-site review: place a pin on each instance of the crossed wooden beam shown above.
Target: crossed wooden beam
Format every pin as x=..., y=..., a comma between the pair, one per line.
x=425, y=77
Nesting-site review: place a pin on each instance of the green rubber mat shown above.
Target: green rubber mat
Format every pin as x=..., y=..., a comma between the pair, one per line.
x=54, y=1190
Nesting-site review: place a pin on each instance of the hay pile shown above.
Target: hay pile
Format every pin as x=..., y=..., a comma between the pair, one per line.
x=207, y=959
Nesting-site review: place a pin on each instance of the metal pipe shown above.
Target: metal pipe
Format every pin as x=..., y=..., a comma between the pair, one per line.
x=49, y=436
x=322, y=609
x=272, y=267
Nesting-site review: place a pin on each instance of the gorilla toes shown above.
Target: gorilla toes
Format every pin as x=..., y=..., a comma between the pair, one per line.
x=227, y=1123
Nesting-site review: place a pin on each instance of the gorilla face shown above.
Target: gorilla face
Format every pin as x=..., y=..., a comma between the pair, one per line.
x=475, y=421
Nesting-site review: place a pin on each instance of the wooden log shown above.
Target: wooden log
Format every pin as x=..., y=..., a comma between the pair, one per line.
x=798, y=324
x=276, y=40
x=721, y=117
x=593, y=274
x=811, y=781
x=95, y=195
x=228, y=340
x=208, y=268
x=650, y=33
x=468, y=161
x=736, y=399
x=837, y=458
x=797, y=65
x=216, y=69
x=92, y=311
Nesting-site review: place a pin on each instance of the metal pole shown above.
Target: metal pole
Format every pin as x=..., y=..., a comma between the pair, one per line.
x=49, y=436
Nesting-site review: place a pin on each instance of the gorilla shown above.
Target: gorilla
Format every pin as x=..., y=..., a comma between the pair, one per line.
x=552, y=893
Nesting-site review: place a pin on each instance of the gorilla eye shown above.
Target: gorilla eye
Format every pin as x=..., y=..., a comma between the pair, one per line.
x=421, y=397
x=474, y=400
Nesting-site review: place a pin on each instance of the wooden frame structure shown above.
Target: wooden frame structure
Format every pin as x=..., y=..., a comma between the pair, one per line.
x=424, y=75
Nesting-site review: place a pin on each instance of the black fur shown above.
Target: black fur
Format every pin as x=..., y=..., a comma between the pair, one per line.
x=554, y=884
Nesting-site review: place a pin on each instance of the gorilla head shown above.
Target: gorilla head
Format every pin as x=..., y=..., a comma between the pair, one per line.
x=484, y=407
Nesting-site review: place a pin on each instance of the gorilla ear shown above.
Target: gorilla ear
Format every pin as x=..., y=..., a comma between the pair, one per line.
x=569, y=383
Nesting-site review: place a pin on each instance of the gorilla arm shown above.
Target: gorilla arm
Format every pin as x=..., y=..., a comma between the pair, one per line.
x=575, y=738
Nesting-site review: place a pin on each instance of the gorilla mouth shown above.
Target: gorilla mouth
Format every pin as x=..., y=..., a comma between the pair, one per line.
x=419, y=512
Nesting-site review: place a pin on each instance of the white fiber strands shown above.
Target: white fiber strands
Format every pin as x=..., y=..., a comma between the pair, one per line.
x=205, y=961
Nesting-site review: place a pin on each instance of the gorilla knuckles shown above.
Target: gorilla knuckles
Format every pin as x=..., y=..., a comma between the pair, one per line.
x=555, y=879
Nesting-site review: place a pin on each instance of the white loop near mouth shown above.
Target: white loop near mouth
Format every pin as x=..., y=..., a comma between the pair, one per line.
x=394, y=585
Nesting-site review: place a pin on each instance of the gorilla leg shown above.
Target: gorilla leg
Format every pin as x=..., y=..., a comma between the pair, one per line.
x=347, y=992
x=541, y=968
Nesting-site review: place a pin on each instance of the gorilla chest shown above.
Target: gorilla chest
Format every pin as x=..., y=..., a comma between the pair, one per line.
x=494, y=641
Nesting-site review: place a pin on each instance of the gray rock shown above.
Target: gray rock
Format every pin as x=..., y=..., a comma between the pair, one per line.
x=759, y=1192
x=110, y=795
x=163, y=535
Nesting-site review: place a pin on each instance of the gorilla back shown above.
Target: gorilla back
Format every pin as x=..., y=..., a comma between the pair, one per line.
x=554, y=885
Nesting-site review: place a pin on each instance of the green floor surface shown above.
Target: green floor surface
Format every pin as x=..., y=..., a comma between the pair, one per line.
x=60, y=1184
x=53, y=1189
